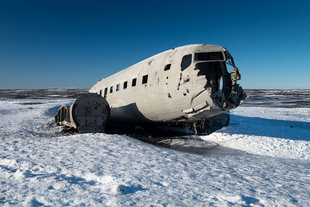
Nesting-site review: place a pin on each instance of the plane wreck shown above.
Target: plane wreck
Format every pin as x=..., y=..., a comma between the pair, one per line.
x=194, y=85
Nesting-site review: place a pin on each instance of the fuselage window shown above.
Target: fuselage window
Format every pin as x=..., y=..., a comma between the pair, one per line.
x=134, y=82
x=125, y=85
x=167, y=67
x=186, y=61
x=117, y=87
x=209, y=56
x=144, y=79
x=105, y=92
x=111, y=89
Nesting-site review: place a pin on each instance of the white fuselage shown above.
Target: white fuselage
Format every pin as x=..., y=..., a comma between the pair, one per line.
x=165, y=87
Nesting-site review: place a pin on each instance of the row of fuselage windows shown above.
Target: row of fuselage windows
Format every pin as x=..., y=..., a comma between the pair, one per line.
x=125, y=85
x=133, y=83
x=185, y=63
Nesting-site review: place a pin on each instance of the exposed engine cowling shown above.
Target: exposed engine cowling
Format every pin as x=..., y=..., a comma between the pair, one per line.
x=89, y=113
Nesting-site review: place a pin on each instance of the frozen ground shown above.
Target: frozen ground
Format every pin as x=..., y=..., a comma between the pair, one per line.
x=260, y=159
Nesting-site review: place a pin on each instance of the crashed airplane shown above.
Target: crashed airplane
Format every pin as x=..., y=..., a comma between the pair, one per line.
x=190, y=86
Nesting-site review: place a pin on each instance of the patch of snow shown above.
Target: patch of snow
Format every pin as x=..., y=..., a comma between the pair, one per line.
x=38, y=167
x=283, y=133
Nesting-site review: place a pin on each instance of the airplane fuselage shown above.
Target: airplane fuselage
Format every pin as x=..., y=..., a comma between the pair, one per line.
x=186, y=84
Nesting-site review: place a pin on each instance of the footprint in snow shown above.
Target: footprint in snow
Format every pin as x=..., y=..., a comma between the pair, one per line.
x=124, y=190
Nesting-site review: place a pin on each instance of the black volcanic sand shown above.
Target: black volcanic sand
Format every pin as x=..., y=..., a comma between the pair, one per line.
x=278, y=98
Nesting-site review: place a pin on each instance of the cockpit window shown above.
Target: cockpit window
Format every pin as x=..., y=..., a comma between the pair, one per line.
x=229, y=59
x=186, y=61
x=209, y=56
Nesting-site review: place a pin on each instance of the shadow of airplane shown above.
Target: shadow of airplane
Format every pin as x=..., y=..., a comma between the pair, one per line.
x=291, y=130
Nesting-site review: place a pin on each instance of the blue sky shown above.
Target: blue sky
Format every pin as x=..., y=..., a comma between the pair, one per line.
x=72, y=44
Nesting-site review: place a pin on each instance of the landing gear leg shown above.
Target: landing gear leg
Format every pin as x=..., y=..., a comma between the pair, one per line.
x=194, y=126
x=208, y=126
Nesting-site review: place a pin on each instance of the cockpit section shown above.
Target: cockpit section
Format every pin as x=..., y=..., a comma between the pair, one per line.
x=221, y=76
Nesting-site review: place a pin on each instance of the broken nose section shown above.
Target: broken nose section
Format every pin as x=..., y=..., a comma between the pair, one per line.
x=219, y=100
x=232, y=94
x=207, y=103
x=237, y=95
x=234, y=99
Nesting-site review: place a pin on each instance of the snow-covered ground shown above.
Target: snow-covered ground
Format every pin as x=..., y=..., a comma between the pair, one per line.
x=274, y=132
x=260, y=159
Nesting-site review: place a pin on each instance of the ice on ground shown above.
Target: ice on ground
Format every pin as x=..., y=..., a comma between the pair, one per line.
x=39, y=167
x=276, y=132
